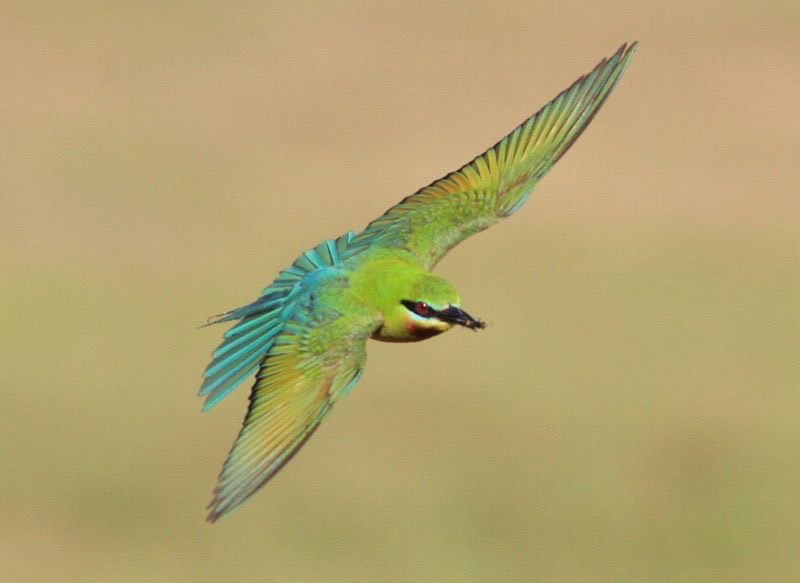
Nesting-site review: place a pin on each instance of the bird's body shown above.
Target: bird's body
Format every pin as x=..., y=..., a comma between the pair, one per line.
x=306, y=333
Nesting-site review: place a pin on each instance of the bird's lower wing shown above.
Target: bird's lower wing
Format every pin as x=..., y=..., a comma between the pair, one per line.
x=316, y=359
x=260, y=322
x=496, y=183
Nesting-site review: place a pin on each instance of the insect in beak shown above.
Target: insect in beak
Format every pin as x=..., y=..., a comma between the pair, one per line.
x=458, y=316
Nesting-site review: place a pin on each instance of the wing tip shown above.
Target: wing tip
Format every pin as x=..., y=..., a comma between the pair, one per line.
x=597, y=86
x=223, y=504
x=626, y=51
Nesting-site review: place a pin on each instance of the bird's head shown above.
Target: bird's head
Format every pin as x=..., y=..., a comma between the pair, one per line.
x=426, y=306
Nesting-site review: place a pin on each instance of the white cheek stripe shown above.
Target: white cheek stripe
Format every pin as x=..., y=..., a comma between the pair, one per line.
x=420, y=319
x=429, y=322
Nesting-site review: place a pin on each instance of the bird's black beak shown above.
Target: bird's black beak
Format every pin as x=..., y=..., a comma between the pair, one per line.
x=460, y=317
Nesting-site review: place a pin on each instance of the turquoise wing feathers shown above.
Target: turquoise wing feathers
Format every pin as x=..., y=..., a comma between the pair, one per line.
x=317, y=358
x=260, y=322
x=306, y=333
x=498, y=182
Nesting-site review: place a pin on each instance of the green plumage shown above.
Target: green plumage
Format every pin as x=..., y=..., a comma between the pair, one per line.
x=306, y=334
x=498, y=182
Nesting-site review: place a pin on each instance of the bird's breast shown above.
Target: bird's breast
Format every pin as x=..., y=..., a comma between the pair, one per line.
x=410, y=332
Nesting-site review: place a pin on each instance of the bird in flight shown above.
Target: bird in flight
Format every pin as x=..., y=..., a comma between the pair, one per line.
x=306, y=334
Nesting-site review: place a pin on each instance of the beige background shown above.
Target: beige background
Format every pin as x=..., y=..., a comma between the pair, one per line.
x=632, y=413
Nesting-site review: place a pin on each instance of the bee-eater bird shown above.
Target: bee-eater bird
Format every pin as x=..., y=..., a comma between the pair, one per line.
x=307, y=332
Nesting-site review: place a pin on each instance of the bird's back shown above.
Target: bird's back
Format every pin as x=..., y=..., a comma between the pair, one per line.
x=246, y=344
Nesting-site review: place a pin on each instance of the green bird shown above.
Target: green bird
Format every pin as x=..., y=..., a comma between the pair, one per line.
x=307, y=332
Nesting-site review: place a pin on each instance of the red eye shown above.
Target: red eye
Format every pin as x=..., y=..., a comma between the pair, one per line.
x=421, y=308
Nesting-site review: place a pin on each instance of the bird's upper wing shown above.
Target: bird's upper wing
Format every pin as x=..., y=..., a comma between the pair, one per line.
x=499, y=181
x=315, y=359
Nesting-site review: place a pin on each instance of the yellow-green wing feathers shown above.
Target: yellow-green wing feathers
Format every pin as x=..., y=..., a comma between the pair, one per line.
x=317, y=358
x=307, y=335
x=246, y=343
x=496, y=183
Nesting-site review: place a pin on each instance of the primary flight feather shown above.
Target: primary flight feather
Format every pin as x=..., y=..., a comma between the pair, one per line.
x=306, y=334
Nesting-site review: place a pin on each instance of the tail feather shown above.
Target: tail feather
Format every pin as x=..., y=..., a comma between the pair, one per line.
x=246, y=344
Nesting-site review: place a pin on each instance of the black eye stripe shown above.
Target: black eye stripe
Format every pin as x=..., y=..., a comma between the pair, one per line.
x=412, y=306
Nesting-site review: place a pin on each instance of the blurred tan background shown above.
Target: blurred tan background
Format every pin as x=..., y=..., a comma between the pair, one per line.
x=632, y=413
